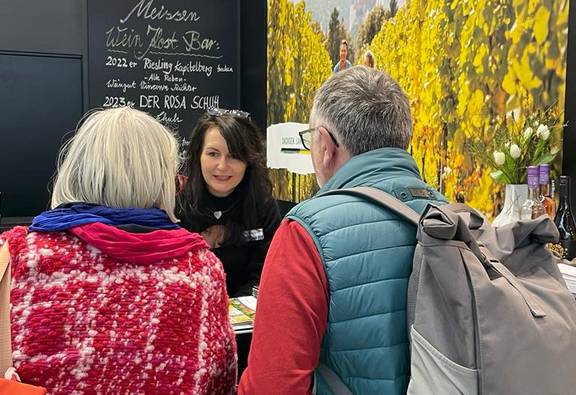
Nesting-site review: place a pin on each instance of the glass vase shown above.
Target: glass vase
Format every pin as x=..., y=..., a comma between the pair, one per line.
x=514, y=197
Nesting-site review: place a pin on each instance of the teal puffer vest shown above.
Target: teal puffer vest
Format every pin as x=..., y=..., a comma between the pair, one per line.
x=367, y=254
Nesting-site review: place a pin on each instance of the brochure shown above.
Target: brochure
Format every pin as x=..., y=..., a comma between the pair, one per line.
x=569, y=274
x=242, y=311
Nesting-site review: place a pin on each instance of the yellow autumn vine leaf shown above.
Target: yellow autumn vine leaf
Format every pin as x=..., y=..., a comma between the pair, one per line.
x=541, y=24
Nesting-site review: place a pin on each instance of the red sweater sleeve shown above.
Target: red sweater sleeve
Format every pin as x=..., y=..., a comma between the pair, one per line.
x=291, y=316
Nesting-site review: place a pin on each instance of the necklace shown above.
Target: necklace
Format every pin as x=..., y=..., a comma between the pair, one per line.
x=214, y=205
x=218, y=213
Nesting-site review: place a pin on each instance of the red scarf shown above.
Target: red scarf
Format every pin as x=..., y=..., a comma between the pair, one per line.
x=141, y=248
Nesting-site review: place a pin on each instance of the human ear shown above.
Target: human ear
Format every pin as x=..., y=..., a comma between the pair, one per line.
x=327, y=147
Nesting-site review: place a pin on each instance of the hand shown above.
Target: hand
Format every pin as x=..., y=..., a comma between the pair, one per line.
x=214, y=235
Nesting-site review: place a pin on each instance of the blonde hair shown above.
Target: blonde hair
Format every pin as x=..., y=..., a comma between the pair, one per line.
x=369, y=59
x=121, y=158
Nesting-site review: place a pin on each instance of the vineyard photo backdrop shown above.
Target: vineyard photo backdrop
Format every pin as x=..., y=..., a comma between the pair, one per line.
x=467, y=66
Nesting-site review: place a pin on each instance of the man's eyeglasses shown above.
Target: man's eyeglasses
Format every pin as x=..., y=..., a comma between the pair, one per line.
x=223, y=111
x=306, y=137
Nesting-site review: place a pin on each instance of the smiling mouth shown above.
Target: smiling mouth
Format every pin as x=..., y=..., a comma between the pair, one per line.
x=222, y=178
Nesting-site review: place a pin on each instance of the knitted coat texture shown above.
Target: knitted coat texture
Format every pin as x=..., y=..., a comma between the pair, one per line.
x=84, y=322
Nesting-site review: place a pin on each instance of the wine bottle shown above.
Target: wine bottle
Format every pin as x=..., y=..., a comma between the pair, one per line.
x=564, y=220
x=553, y=190
x=545, y=196
x=532, y=207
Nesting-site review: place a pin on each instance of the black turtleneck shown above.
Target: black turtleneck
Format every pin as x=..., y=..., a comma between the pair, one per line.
x=247, y=238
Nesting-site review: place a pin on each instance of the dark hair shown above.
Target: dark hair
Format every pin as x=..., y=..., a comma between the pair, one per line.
x=244, y=142
x=344, y=42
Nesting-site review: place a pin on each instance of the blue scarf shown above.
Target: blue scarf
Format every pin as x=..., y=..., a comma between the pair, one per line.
x=71, y=215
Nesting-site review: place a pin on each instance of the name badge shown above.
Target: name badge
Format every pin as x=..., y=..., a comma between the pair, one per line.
x=254, y=234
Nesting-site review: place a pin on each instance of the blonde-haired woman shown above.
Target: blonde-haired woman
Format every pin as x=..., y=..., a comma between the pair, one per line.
x=109, y=294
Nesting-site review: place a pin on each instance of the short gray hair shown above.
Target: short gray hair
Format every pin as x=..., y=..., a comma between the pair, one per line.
x=365, y=108
x=121, y=158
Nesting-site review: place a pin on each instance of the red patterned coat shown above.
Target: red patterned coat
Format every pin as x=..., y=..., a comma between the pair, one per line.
x=84, y=322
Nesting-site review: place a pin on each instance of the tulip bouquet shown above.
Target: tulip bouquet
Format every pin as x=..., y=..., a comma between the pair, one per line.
x=520, y=142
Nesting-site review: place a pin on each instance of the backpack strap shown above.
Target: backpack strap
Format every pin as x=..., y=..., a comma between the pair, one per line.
x=488, y=259
x=382, y=198
x=5, y=335
x=331, y=378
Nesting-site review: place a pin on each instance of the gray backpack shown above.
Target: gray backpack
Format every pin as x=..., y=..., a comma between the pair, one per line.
x=488, y=310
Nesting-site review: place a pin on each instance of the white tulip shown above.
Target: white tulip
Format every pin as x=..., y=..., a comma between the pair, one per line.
x=499, y=158
x=543, y=132
x=515, y=151
x=528, y=133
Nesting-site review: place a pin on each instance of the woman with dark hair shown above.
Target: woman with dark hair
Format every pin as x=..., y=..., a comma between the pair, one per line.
x=228, y=197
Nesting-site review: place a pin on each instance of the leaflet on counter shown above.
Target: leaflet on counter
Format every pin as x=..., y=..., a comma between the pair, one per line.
x=242, y=311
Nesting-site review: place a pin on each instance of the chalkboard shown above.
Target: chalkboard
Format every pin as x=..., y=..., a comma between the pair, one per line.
x=172, y=59
x=41, y=103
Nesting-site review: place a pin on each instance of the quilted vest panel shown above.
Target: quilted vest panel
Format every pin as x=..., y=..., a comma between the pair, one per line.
x=367, y=254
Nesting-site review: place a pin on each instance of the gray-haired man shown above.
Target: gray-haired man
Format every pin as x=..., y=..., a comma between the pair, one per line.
x=333, y=290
